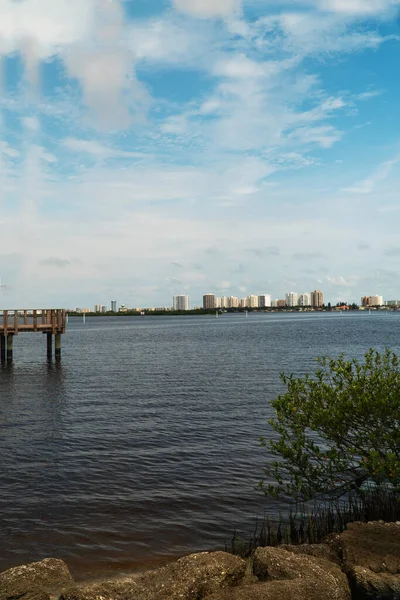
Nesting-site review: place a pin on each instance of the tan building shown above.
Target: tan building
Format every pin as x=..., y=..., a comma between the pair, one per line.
x=209, y=301
x=252, y=301
x=317, y=299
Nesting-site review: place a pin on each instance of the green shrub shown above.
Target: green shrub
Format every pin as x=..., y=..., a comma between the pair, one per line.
x=336, y=431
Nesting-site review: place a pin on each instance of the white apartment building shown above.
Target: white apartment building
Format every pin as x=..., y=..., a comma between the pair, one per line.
x=274, y=303
x=292, y=299
x=264, y=301
x=376, y=301
x=181, y=302
x=252, y=301
x=233, y=302
x=222, y=302
x=243, y=303
x=305, y=299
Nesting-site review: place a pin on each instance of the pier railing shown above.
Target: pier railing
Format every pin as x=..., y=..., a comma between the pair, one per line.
x=51, y=321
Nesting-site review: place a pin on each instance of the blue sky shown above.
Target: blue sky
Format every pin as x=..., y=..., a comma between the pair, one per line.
x=156, y=147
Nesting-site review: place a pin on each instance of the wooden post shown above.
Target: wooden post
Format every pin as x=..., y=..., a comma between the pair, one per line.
x=2, y=347
x=16, y=315
x=10, y=346
x=49, y=345
x=35, y=320
x=5, y=321
x=58, y=345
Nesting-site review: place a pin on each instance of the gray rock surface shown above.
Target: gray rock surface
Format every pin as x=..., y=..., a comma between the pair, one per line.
x=32, y=581
x=190, y=578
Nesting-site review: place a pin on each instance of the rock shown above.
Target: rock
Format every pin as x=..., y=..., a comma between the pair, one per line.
x=35, y=595
x=33, y=580
x=375, y=586
x=277, y=590
x=302, y=573
x=190, y=578
x=375, y=546
x=317, y=550
x=371, y=559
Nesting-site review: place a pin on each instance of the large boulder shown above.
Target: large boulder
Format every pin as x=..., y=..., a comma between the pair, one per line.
x=371, y=559
x=324, y=551
x=190, y=578
x=284, y=575
x=33, y=581
x=276, y=590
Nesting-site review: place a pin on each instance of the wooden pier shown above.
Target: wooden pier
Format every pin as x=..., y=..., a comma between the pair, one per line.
x=50, y=321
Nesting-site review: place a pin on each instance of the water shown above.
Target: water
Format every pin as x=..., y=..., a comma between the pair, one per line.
x=143, y=443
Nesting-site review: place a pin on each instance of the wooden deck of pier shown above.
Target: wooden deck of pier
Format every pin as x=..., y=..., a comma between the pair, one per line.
x=51, y=321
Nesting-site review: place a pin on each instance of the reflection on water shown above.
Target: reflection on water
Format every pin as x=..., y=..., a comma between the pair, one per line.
x=142, y=442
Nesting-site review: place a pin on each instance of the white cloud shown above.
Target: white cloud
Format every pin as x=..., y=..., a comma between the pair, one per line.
x=341, y=281
x=241, y=67
x=97, y=149
x=356, y=7
x=369, y=95
x=367, y=186
x=31, y=123
x=208, y=8
x=8, y=150
x=86, y=36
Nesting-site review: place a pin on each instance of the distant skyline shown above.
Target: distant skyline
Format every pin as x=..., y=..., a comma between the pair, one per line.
x=152, y=148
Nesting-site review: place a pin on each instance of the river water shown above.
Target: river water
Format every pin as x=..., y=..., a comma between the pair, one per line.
x=142, y=444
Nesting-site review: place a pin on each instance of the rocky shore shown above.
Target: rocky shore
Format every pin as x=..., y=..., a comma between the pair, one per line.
x=361, y=563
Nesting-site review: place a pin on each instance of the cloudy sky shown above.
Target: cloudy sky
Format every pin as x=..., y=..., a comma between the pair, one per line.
x=156, y=147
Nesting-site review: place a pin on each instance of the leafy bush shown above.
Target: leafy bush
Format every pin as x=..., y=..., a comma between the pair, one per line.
x=336, y=431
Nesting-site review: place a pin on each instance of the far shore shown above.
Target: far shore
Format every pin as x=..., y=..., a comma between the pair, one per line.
x=200, y=312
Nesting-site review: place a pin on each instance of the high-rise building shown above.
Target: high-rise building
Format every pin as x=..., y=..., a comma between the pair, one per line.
x=376, y=301
x=252, y=301
x=372, y=301
x=292, y=299
x=209, y=301
x=317, y=299
x=113, y=306
x=365, y=301
x=181, y=302
x=243, y=303
x=281, y=303
x=223, y=302
x=97, y=308
x=305, y=299
x=264, y=301
x=103, y=308
x=233, y=302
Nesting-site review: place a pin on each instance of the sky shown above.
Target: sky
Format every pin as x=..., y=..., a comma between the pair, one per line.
x=158, y=147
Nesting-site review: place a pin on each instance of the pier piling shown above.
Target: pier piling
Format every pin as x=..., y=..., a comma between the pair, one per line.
x=58, y=345
x=10, y=337
x=2, y=347
x=49, y=345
